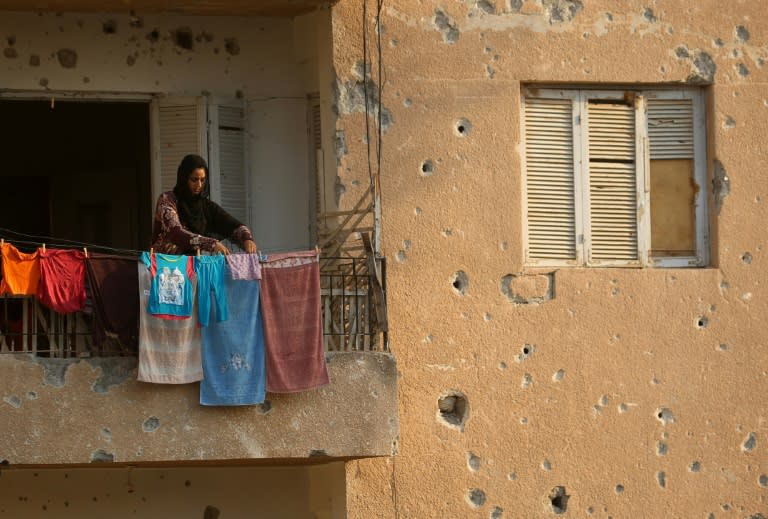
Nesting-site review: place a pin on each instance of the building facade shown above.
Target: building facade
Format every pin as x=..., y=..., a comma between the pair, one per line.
x=569, y=197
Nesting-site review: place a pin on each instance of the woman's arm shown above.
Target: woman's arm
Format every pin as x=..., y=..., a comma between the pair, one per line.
x=225, y=224
x=170, y=237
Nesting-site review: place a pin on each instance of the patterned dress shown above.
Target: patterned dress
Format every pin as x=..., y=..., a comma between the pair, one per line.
x=170, y=237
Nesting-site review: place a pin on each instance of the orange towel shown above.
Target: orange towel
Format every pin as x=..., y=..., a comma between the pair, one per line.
x=21, y=271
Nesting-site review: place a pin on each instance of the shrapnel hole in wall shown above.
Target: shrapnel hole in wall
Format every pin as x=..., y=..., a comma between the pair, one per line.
x=453, y=409
x=558, y=498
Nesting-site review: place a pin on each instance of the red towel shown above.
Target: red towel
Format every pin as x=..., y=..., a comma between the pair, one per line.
x=293, y=332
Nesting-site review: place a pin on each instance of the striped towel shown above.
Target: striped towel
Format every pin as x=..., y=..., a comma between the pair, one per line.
x=169, y=350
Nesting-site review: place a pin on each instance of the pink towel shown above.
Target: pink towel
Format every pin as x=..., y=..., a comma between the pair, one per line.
x=293, y=333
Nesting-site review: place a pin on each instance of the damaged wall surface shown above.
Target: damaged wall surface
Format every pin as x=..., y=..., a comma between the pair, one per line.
x=605, y=392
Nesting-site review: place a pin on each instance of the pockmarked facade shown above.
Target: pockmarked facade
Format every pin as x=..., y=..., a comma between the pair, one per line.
x=569, y=195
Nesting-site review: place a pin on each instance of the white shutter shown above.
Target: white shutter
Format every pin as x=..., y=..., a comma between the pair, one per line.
x=670, y=128
x=612, y=235
x=231, y=174
x=549, y=179
x=179, y=127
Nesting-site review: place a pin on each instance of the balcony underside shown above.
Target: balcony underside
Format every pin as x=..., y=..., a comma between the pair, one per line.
x=80, y=411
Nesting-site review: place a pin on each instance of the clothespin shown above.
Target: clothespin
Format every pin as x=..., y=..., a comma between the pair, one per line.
x=151, y=251
x=43, y=247
x=198, y=251
x=85, y=251
x=2, y=242
x=53, y=102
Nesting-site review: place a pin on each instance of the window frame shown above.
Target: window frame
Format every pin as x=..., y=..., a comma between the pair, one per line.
x=579, y=97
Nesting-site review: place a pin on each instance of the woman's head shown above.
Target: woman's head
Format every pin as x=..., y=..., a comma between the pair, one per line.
x=191, y=177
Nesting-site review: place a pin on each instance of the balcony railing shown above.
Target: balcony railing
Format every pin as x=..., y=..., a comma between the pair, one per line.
x=353, y=310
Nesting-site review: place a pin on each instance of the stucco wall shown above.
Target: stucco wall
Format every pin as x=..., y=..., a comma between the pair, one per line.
x=639, y=392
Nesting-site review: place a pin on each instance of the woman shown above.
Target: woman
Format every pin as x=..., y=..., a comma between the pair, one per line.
x=186, y=221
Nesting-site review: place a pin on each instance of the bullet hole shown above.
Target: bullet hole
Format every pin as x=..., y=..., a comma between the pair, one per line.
x=746, y=258
x=619, y=489
x=487, y=317
x=86, y=79
x=211, y=512
x=400, y=256
x=11, y=40
x=523, y=420
x=489, y=71
x=558, y=376
x=661, y=478
x=232, y=46
x=447, y=233
x=702, y=322
x=704, y=68
x=187, y=483
x=10, y=53
x=239, y=95
x=559, y=500
x=407, y=102
x=317, y=453
x=729, y=123
x=486, y=6
x=725, y=507
x=603, y=401
x=463, y=127
x=512, y=476
x=661, y=449
x=183, y=38
x=695, y=466
x=67, y=58
x=153, y=36
x=623, y=408
x=453, y=409
x=496, y=513
x=135, y=22
x=722, y=347
x=34, y=60
x=102, y=456
x=264, y=407
x=427, y=167
x=546, y=465
x=130, y=60
x=742, y=34
x=526, y=351
x=742, y=69
x=460, y=282
x=749, y=443
x=151, y=424
x=476, y=497
x=682, y=52
x=32, y=395
x=502, y=365
x=473, y=462
x=649, y=16
x=665, y=416
x=721, y=185
x=109, y=27
x=763, y=480
x=527, y=381
x=43, y=82
x=446, y=26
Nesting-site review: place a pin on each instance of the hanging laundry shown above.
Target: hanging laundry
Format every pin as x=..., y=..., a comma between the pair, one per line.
x=244, y=266
x=113, y=285
x=210, y=283
x=293, y=333
x=170, y=295
x=169, y=350
x=62, y=280
x=233, y=351
x=21, y=271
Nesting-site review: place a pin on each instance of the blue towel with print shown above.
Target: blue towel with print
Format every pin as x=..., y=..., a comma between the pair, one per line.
x=233, y=350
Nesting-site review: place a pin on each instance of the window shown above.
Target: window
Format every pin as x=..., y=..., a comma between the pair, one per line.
x=614, y=178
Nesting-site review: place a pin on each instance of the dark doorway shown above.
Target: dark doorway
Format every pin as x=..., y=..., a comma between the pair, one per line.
x=77, y=170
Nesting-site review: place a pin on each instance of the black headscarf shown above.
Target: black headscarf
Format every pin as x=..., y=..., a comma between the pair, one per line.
x=191, y=207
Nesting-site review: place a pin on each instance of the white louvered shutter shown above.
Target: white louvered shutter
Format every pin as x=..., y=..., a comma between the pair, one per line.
x=613, y=231
x=180, y=127
x=670, y=128
x=233, y=178
x=549, y=180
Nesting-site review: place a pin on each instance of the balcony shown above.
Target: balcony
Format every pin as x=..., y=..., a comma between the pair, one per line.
x=66, y=401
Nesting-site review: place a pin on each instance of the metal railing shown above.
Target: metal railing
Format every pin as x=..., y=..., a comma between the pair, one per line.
x=353, y=312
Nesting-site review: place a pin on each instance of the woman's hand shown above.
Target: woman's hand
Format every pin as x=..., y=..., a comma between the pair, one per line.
x=249, y=246
x=219, y=248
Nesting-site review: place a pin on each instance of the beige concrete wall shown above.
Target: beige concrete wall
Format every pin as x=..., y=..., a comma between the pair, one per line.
x=59, y=412
x=612, y=349
x=310, y=492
